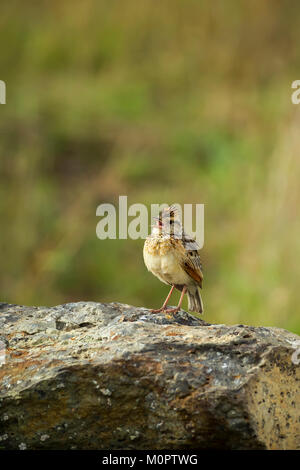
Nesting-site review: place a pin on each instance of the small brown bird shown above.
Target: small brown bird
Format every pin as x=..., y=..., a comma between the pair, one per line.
x=173, y=257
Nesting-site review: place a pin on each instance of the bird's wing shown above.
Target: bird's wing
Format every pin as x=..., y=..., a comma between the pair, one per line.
x=190, y=259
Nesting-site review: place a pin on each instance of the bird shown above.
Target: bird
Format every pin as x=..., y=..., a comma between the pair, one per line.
x=173, y=257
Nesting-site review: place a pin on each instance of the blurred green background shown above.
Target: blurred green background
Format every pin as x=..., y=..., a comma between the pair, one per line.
x=172, y=101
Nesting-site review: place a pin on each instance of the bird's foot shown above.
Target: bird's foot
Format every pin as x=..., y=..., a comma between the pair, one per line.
x=158, y=310
x=166, y=310
x=172, y=309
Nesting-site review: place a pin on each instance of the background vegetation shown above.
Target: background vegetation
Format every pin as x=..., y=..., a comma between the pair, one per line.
x=171, y=101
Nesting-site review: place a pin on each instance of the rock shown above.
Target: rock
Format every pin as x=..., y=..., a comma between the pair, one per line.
x=88, y=375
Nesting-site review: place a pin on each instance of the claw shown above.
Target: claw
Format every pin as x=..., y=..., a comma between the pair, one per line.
x=158, y=310
x=172, y=310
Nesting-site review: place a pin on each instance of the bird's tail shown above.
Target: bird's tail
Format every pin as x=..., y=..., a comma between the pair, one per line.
x=194, y=301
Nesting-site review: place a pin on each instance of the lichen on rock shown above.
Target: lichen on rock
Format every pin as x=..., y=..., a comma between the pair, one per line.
x=90, y=375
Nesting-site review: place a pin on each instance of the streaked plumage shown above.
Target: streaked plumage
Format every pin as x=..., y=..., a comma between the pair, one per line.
x=173, y=257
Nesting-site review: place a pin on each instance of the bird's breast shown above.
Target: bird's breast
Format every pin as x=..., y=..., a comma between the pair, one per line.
x=160, y=258
x=156, y=251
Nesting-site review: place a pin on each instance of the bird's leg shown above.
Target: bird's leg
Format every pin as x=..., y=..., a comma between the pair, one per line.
x=165, y=302
x=176, y=309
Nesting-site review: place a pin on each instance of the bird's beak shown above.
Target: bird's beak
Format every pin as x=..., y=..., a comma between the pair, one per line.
x=158, y=221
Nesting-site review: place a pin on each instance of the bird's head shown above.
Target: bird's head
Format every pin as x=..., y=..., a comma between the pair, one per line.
x=168, y=222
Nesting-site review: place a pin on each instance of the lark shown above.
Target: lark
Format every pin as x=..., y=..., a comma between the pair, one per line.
x=173, y=257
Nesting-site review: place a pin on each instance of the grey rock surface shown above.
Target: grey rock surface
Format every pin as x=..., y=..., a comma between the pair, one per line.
x=89, y=375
